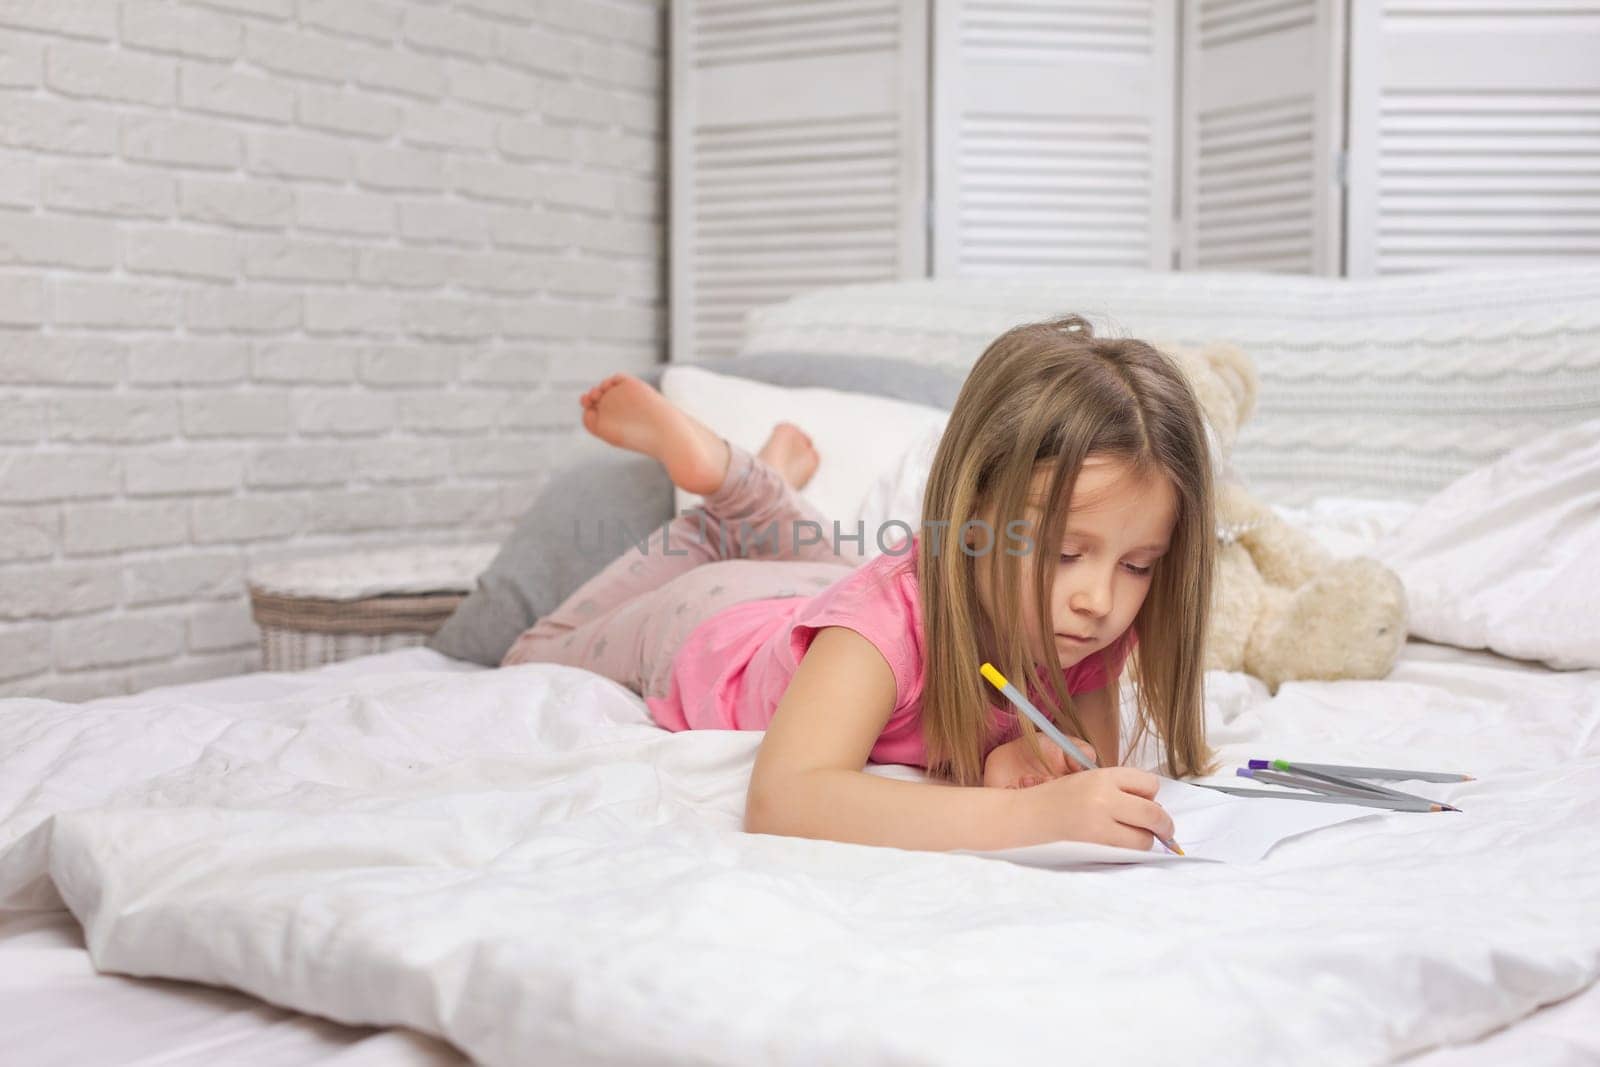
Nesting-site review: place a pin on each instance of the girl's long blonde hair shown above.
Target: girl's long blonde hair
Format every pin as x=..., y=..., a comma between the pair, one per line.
x=1053, y=393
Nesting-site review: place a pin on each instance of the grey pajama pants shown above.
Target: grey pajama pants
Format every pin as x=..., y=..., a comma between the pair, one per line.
x=744, y=542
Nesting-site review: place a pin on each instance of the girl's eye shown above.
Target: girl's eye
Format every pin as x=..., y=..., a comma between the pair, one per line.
x=1140, y=571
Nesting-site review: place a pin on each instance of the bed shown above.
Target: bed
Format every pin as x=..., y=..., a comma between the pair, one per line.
x=410, y=859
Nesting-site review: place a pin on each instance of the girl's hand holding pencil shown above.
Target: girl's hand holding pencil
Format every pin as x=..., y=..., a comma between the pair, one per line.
x=1107, y=806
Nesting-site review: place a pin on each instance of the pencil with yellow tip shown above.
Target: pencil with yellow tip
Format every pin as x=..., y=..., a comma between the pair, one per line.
x=1024, y=705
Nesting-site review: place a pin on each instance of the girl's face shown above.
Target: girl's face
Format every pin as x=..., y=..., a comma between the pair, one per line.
x=1117, y=528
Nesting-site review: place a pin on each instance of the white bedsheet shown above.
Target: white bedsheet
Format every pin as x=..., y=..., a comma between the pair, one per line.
x=56, y=1009
x=518, y=862
x=49, y=986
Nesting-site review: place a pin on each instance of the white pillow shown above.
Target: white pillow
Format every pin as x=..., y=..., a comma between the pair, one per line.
x=856, y=435
x=896, y=493
x=1508, y=556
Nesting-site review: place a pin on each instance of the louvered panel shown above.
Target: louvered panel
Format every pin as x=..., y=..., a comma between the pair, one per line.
x=1475, y=135
x=1042, y=192
x=815, y=216
x=1487, y=177
x=787, y=206
x=1252, y=204
x=798, y=171
x=798, y=155
x=746, y=31
x=1226, y=21
x=1029, y=27
x=1053, y=134
x=1261, y=126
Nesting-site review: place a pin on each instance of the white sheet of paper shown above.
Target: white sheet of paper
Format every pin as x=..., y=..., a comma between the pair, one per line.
x=1208, y=826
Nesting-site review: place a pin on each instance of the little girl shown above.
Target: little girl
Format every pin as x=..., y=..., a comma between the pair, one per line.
x=1068, y=518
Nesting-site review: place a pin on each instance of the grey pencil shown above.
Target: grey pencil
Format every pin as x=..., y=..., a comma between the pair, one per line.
x=1333, y=779
x=1368, y=802
x=1297, y=781
x=1382, y=773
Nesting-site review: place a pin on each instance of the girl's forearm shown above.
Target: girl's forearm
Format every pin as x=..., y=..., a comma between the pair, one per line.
x=862, y=808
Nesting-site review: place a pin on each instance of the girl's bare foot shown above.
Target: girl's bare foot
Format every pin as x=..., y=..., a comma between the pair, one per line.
x=630, y=414
x=791, y=453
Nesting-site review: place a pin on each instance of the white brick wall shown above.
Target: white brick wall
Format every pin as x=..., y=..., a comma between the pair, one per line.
x=280, y=277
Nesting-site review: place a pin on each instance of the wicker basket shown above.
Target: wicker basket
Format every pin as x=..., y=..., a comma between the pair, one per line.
x=330, y=608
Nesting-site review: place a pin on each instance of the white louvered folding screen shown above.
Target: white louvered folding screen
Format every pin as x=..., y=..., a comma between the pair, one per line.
x=823, y=142
x=1052, y=134
x=1474, y=133
x=1263, y=125
x=799, y=155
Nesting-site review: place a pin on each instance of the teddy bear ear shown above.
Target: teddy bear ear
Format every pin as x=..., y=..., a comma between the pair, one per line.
x=1222, y=469
x=1183, y=357
x=1239, y=372
x=1192, y=362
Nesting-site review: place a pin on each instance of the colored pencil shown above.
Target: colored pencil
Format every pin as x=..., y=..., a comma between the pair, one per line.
x=1382, y=773
x=1326, y=798
x=1377, y=790
x=1024, y=705
x=1295, y=781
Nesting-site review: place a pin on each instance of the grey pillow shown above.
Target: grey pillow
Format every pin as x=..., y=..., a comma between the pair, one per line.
x=553, y=550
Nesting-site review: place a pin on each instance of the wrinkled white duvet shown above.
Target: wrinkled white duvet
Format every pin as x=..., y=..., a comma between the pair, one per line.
x=519, y=862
